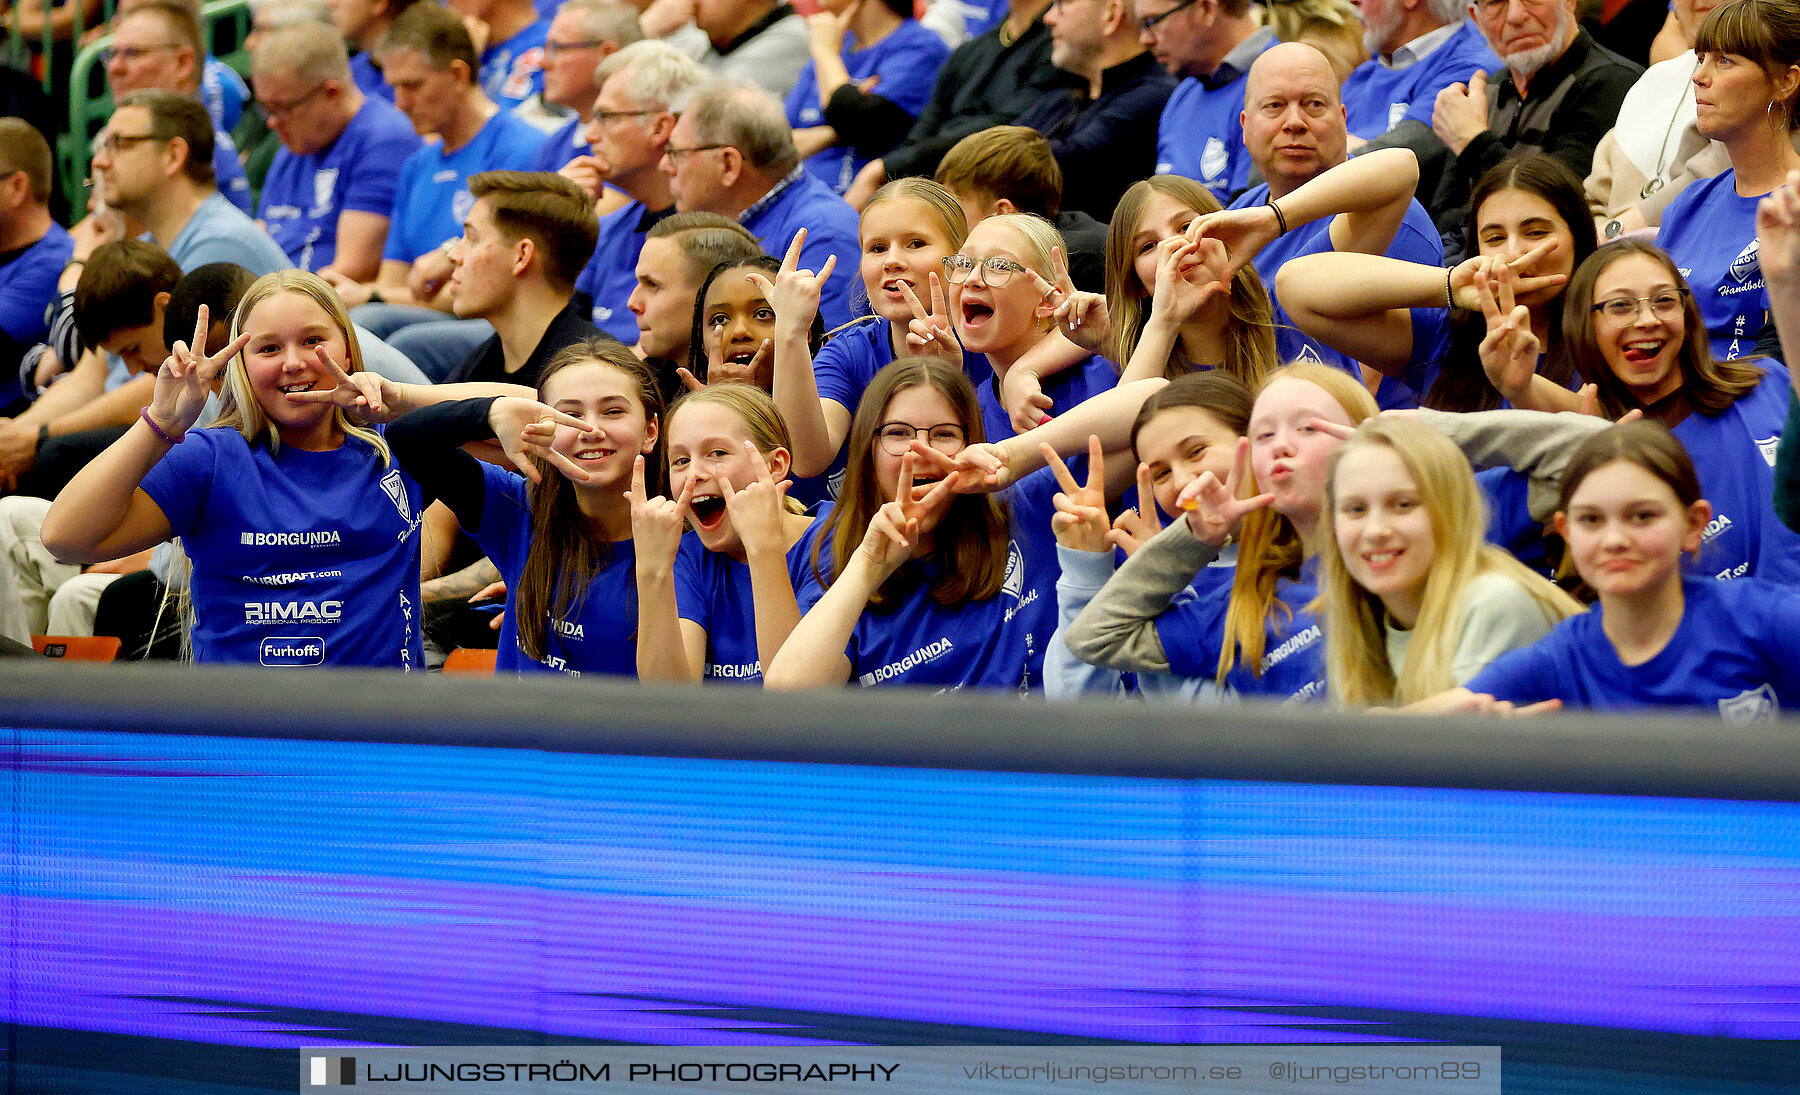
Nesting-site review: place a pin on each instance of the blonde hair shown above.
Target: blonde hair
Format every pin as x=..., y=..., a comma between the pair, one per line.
x=932, y=195
x=1271, y=546
x=1355, y=620
x=1250, y=326
x=238, y=408
x=755, y=407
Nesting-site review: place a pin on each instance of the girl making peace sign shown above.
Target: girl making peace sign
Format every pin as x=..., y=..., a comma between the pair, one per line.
x=302, y=531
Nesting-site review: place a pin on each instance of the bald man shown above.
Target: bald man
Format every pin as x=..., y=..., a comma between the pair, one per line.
x=1296, y=133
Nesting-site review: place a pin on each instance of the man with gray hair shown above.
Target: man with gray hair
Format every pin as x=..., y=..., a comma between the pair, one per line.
x=732, y=153
x=1558, y=93
x=632, y=121
x=329, y=193
x=582, y=36
x=1417, y=48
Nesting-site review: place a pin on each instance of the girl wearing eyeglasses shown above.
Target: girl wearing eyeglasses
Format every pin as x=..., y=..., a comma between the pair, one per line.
x=1634, y=331
x=920, y=576
x=1005, y=286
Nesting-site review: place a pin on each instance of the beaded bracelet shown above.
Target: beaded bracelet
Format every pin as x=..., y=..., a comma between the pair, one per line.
x=1449, y=292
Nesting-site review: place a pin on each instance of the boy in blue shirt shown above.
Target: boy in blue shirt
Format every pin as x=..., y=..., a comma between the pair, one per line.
x=33, y=248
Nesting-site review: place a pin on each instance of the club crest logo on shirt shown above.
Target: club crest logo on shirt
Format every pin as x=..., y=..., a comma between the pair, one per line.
x=1213, y=159
x=1758, y=705
x=1309, y=353
x=1769, y=446
x=324, y=184
x=461, y=204
x=1014, y=584
x=392, y=486
x=524, y=67
x=1396, y=112
x=1744, y=266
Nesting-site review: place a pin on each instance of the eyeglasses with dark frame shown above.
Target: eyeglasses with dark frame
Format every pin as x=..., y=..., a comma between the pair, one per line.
x=113, y=143
x=896, y=438
x=1149, y=23
x=1623, y=311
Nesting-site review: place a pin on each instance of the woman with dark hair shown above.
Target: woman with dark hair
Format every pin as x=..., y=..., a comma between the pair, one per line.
x=1746, y=85
x=872, y=69
x=561, y=534
x=1423, y=323
x=1633, y=329
x=920, y=575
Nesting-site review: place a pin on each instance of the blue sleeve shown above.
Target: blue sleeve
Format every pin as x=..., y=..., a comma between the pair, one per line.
x=182, y=481
x=504, y=532
x=1781, y=624
x=374, y=186
x=842, y=370
x=1192, y=633
x=907, y=76
x=399, y=246
x=691, y=602
x=1521, y=676
x=28, y=286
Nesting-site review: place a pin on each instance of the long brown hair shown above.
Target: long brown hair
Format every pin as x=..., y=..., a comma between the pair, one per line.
x=1250, y=328
x=1462, y=384
x=1711, y=386
x=564, y=556
x=1271, y=547
x=970, y=545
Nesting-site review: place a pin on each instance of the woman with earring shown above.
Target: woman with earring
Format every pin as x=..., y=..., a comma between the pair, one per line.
x=1746, y=83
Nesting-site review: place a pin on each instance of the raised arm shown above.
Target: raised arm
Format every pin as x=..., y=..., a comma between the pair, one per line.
x=818, y=433
x=104, y=512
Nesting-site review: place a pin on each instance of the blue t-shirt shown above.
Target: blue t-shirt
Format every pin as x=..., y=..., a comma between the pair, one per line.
x=513, y=71
x=906, y=64
x=1733, y=651
x=1293, y=663
x=303, y=196
x=300, y=558
x=432, y=196
x=221, y=232
x=1735, y=456
x=369, y=79
x=1075, y=385
x=831, y=229
x=228, y=173
x=568, y=142
x=997, y=643
x=611, y=274
x=713, y=590
x=844, y=366
x=1416, y=240
x=1378, y=98
x=1201, y=135
x=28, y=286
x=1710, y=232
x=598, y=633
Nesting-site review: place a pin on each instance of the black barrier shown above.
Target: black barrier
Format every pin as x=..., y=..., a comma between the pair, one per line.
x=1675, y=754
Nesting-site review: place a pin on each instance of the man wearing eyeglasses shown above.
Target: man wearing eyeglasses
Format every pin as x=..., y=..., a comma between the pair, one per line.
x=582, y=35
x=630, y=131
x=1558, y=93
x=430, y=61
x=156, y=47
x=330, y=190
x=1209, y=46
x=732, y=153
